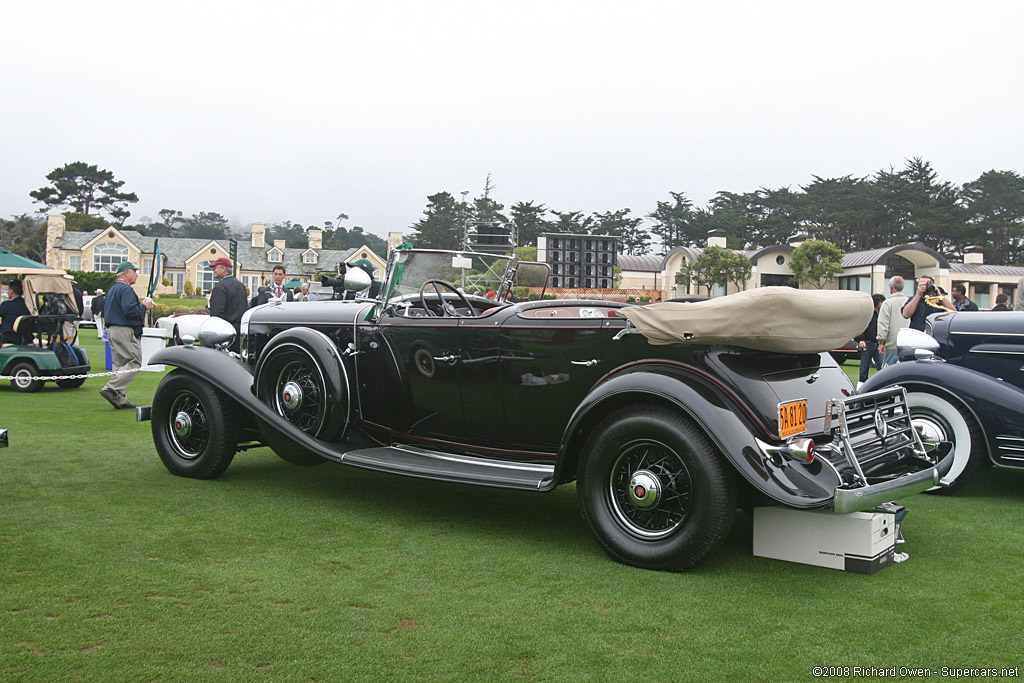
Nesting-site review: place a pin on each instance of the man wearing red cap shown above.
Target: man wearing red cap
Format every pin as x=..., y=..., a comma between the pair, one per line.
x=228, y=300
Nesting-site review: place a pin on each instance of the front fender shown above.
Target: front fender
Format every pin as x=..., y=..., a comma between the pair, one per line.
x=235, y=379
x=795, y=484
x=220, y=369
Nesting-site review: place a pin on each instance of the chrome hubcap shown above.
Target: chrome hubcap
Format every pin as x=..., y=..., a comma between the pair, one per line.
x=644, y=489
x=291, y=396
x=182, y=425
x=931, y=431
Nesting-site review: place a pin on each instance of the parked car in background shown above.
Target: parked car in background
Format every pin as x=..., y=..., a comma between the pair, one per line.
x=848, y=351
x=664, y=415
x=964, y=378
x=182, y=324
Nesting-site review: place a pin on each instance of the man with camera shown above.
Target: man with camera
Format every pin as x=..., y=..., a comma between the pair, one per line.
x=927, y=300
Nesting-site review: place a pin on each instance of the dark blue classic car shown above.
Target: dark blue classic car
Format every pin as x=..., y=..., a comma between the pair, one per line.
x=965, y=383
x=734, y=402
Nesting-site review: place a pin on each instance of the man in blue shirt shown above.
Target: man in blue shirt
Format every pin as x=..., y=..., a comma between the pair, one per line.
x=123, y=313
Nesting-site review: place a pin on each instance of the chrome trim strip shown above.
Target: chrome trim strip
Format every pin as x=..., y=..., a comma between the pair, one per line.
x=999, y=353
x=523, y=466
x=989, y=334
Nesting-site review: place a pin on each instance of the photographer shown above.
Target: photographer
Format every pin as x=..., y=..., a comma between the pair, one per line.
x=918, y=308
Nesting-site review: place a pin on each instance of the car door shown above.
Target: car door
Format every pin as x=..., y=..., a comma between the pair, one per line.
x=409, y=377
x=550, y=360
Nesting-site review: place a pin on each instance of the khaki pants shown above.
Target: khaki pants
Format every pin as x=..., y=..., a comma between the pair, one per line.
x=125, y=353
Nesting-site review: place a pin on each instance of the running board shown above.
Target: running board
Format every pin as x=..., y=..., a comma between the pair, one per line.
x=416, y=462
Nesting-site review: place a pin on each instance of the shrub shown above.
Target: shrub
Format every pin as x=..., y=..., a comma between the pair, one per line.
x=189, y=288
x=630, y=299
x=90, y=281
x=165, y=282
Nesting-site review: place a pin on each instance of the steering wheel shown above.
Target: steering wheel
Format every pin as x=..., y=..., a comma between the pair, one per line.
x=446, y=307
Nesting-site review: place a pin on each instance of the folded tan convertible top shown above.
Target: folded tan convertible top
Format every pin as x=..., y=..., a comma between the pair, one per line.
x=779, y=319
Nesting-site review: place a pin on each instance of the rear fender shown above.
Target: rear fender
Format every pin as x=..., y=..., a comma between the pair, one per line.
x=792, y=483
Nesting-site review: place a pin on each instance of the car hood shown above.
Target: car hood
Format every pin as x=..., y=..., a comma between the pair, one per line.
x=307, y=313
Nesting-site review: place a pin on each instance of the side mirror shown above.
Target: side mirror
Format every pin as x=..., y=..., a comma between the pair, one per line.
x=915, y=345
x=216, y=333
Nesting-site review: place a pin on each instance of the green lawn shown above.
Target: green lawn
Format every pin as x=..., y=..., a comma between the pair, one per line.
x=113, y=569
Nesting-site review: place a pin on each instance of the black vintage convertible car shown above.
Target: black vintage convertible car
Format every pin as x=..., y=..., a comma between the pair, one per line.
x=964, y=378
x=666, y=416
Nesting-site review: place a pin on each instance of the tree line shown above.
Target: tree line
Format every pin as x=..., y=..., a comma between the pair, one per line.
x=893, y=206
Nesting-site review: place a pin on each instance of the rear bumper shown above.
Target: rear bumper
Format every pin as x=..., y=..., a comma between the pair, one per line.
x=868, y=497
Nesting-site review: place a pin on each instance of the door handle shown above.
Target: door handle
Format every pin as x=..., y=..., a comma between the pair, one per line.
x=589, y=363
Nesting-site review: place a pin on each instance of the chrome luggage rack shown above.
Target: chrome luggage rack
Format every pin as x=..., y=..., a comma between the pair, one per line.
x=873, y=429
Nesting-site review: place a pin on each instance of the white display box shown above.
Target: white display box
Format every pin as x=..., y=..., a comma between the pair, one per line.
x=861, y=542
x=153, y=339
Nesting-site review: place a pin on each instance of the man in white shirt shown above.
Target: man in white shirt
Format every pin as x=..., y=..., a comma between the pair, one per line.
x=891, y=320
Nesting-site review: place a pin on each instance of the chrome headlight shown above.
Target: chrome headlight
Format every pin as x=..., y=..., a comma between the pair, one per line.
x=914, y=344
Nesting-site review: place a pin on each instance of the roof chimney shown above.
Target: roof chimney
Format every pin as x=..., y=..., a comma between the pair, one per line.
x=279, y=244
x=974, y=254
x=716, y=238
x=316, y=238
x=797, y=239
x=259, y=234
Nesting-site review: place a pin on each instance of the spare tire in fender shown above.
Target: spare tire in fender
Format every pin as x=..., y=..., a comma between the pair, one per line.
x=301, y=376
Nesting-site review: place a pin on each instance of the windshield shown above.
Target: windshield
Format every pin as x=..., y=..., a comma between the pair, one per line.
x=475, y=274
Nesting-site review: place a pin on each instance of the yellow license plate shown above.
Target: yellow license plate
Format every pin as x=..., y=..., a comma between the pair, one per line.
x=792, y=418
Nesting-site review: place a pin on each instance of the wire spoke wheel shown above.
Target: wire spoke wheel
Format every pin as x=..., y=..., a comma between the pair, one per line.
x=194, y=427
x=189, y=427
x=650, y=489
x=653, y=489
x=298, y=391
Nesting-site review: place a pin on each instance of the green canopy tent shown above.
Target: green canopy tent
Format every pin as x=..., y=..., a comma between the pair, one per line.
x=8, y=259
x=293, y=283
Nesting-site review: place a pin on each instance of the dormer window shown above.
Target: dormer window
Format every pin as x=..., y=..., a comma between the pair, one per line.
x=275, y=256
x=309, y=257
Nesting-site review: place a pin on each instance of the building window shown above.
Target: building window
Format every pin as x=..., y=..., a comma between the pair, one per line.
x=177, y=281
x=74, y=261
x=205, y=279
x=857, y=283
x=309, y=257
x=106, y=256
x=147, y=266
x=274, y=256
x=780, y=259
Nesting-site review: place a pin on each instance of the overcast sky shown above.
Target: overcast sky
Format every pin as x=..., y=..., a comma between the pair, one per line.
x=301, y=110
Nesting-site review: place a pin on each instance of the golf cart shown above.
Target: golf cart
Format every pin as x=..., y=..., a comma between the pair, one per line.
x=48, y=333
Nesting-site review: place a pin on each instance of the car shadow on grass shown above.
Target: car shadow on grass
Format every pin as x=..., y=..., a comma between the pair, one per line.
x=541, y=520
